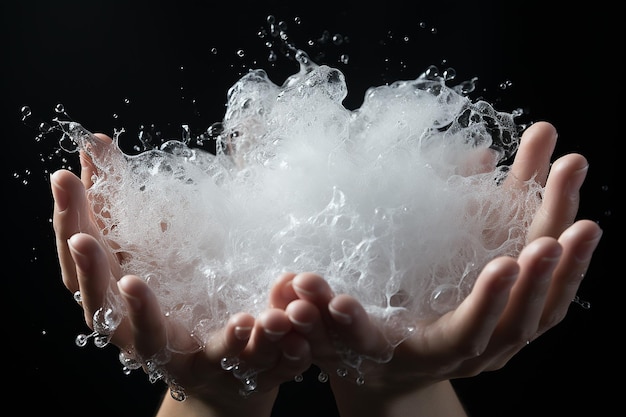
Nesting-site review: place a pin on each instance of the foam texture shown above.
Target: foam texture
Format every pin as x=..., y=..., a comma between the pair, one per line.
x=398, y=203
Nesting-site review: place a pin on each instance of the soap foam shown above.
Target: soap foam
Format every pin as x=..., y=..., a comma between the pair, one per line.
x=398, y=203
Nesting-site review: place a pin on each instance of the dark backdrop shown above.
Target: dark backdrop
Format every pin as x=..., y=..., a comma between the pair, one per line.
x=119, y=64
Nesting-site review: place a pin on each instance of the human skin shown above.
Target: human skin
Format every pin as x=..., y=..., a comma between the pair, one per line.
x=265, y=343
x=514, y=301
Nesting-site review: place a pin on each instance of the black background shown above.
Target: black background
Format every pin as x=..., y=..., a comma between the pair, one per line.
x=564, y=65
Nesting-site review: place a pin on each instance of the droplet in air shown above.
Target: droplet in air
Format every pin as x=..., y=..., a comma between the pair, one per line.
x=45, y=127
x=322, y=377
x=228, y=364
x=26, y=112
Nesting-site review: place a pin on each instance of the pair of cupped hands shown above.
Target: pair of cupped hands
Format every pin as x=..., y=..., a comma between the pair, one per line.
x=514, y=301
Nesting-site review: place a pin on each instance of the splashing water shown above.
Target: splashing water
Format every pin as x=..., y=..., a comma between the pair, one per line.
x=398, y=203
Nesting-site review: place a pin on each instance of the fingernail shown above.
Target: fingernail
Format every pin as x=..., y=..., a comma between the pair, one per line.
x=586, y=249
x=340, y=317
x=82, y=261
x=301, y=326
x=60, y=196
x=287, y=290
x=133, y=302
x=290, y=357
x=242, y=332
x=505, y=283
x=302, y=291
x=576, y=180
x=273, y=335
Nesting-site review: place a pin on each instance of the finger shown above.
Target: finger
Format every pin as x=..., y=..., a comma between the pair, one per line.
x=262, y=351
x=93, y=273
x=237, y=333
x=94, y=279
x=315, y=290
x=341, y=322
x=354, y=328
x=71, y=215
x=561, y=197
x=532, y=159
x=230, y=341
x=312, y=287
x=466, y=331
x=307, y=321
x=96, y=146
x=274, y=354
x=282, y=293
x=520, y=320
x=579, y=242
x=521, y=317
x=144, y=313
x=296, y=358
x=88, y=168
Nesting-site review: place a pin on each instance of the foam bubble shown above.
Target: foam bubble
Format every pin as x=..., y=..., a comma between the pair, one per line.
x=398, y=203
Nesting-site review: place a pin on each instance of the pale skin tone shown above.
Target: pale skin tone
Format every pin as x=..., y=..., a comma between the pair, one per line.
x=514, y=301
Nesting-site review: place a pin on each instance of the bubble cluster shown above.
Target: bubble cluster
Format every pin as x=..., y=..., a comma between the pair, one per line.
x=398, y=203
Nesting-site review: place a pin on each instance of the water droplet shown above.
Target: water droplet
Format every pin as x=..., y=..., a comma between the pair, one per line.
x=443, y=298
x=129, y=362
x=101, y=341
x=177, y=393
x=337, y=39
x=26, y=112
x=44, y=127
x=106, y=320
x=449, y=74
x=250, y=383
x=584, y=304
x=82, y=339
x=229, y=364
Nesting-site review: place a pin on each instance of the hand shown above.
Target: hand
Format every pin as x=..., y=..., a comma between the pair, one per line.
x=266, y=345
x=513, y=302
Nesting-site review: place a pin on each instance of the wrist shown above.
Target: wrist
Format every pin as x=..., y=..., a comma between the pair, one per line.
x=437, y=399
x=257, y=404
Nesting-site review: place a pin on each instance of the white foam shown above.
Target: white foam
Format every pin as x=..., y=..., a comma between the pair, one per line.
x=385, y=201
